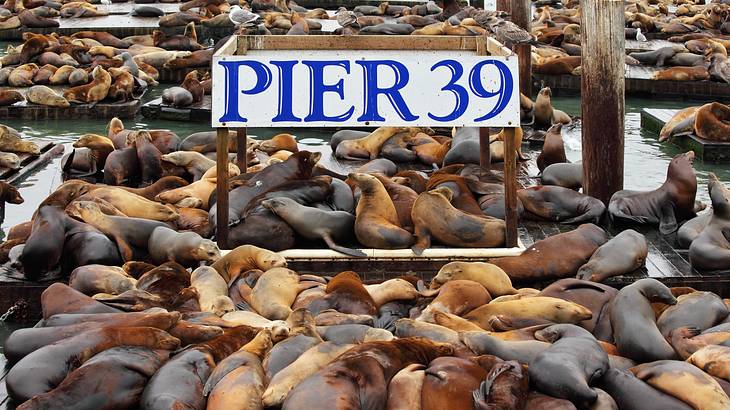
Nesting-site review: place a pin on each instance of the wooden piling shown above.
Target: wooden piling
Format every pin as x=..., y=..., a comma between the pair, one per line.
x=602, y=97
x=504, y=5
x=485, y=156
x=521, y=14
x=241, y=158
x=510, y=187
x=222, y=187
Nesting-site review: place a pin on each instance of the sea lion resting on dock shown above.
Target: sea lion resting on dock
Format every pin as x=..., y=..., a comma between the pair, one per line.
x=712, y=122
x=711, y=249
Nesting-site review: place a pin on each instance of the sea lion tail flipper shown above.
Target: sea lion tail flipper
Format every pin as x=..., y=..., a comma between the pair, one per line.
x=423, y=240
x=341, y=249
x=668, y=221
x=124, y=249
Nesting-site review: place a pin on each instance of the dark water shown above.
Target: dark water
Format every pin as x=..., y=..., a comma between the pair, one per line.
x=645, y=159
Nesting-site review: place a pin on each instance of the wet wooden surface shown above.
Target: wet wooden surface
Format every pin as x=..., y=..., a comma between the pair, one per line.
x=653, y=119
x=25, y=159
x=29, y=111
x=197, y=112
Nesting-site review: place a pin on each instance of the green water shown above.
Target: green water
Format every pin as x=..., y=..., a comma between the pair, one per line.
x=645, y=162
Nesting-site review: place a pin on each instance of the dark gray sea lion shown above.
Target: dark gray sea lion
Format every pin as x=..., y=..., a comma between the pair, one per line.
x=594, y=296
x=179, y=383
x=313, y=223
x=666, y=206
x=147, y=11
x=564, y=174
x=622, y=254
x=186, y=248
x=573, y=362
x=635, y=331
x=630, y=393
x=700, y=310
x=464, y=147
x=711, y=249
x=523, y=351
x=177, y=97
x=558, y=204
x=657, y=57
x=388, y=29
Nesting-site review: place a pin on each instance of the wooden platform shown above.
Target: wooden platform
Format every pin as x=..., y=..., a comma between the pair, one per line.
x=29, y=111
x=639, y=83
x=8, y=175
x=198, y=112
x=653, y=119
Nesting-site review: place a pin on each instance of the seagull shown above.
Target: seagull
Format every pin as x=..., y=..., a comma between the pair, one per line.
x=639, y=35
x=106, y=2
x=346, y=18
x=243, y=17
x=482, y=17
x=509, y=33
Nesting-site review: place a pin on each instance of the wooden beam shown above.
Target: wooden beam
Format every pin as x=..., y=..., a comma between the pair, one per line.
x=504, y=5
x=522, y=16
x=326, y=42
x=241, y=145
x=485, y=156
x=221, y=155
x=510, y=187
x=602, y=97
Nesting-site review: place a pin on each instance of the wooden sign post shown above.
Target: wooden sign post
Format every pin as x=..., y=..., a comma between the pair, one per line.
x=360, y=81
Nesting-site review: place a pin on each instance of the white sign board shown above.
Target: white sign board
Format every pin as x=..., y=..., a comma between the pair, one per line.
x=490, y=5
x=333, y=88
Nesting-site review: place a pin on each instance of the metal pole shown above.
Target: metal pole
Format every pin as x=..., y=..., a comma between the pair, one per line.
x=510, y=187
x=602, y=97
x=221, y=155
x=521, y=14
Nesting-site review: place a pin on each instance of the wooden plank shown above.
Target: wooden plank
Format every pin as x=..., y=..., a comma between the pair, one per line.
x=328, y=42
x=222, y=188
x=241, y=157
x=29, y=111
x=510, y=186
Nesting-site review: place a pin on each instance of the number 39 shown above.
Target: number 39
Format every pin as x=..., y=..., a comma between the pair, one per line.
x=503, y=93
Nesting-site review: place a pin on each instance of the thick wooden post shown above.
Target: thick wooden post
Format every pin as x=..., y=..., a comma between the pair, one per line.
x=504, y=5
x=602, y=97
x=521, y=14
x=485, y=156
x=241, y=154
x=510, y=187
x=221, y=155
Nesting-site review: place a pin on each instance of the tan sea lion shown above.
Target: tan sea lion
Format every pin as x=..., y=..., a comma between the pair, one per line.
x=490, y=276
x=10, y=141
x=247, y=257
x=711, y=122
x=93, y=279
x=697, y=73
x=545, y=113
x=682, y=122
x=42, y=95
x=279, y=142
x=274, y=293
x=376, y=223
x=457, y=297
x=434, y=216
x=131, y=204
x=212, y=291
x=367, y=147
x=93, y=92
x=538, y=307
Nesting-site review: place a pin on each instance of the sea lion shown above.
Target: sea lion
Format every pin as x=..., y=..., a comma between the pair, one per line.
x=194, y=162
x=200, y=58
x=403, y=198
x=10, y=97
x=31, y=20
x=633, y=394
x=449, y=380
x=347, y=294
x=93, y=92
x=596, y=297
x=10, y=141
x=129, y=233
x=121, y=167
x=711, y=122
x=682, y=122
x=42, y=95
x=279, y=142
x=564, y=174
x=391, y=290
x=179, y=383
x=244, y=258
x=10, y=194
x=537, y=307
x=560, y=204
x=523, y=351
x=187, y=249
x=9, y=160
x=685, y=382
x=458, y=297
x=161, y=185
x=553, y=150
x=490, y=276
x=567, y=252
x=367, y=147
x=376, y=219
x=177, y=97
x=700, y=310
x=344, y=135
x=690, y=230
x=275, y=292
x=313, y=223
x=404, y=389
x=544, y=112
x=667, y=206
x=622, y=254
x=634, y=325
x=452, y=227
x=93, y=279
x=212, y=291
x=125, y=371
x=44, y=369
x=131, y=204
x=711, y=248
x=657, y=57
x=713, y=360
x=23, y=76
x=567, y=368
x=696, y=73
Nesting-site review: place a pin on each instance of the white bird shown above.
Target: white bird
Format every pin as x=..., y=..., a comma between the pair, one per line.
x=106, y=2
x=639, y=35
x=243, y=17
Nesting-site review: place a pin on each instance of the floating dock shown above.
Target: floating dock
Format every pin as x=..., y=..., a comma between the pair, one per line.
x=197, y=112
x=653, y=119
x=29, y=111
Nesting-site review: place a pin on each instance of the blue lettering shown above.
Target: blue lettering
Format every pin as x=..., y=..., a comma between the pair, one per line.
x=263, y=80
x=462, y=96
x=506, y=84
x=317, y=88
x=285, y=113
x=372, y=90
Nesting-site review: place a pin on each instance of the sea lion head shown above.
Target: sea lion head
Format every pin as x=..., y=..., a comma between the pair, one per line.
x=90, y=140
x=719, y=195
x=655, y=291
x=84, y=210
x=9, y=160
x=545, y=92
x=207, y=251
x=680, y=168
x=277, y=205
x=222, y=305
x=115, y=126
x=442, y=191
x=10, y=194
x=279, y=330
x=266, y=259
x=447, y=272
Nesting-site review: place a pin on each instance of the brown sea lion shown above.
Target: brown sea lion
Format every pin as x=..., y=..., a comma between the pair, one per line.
x=567, y=252
x=559, y=66
x=434, y=216
x=122, y=89
x=449, y=380
x=696, y=73
x=102, y=37
x=93, y=92
x=553, y=150
x=537, y=307
x=245, y=258
x=594, y=296
x=192, y=84
x=711, y=122
x=130, y=204
x=93, y=279
x=45, y=368
x=149, y=157
x=10, y=97
x=683, y=121
x=347, y=294
x=32, y=20
x=200, y=58
x=633, y=394
x=279, y=142
x=462, y=197
x=667, y=206
x=506, y=386
x=161, y=185
x=458, y=297
x=376, y=223
x=403, y=198
x=99, y=147
x=545, y=113
x=23, y=76
x=121, y=167
x=404, y=389
x=367, y=147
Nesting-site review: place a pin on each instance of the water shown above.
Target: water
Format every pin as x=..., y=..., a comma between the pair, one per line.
x=646, y=160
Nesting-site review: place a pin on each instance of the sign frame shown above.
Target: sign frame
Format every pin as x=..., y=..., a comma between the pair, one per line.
x=480, y=45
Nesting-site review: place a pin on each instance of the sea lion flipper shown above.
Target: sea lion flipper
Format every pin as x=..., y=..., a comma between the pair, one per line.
x=423, y=240
x=341, y=249
x=726, y=233
x=124, y=249
x=668, y=221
